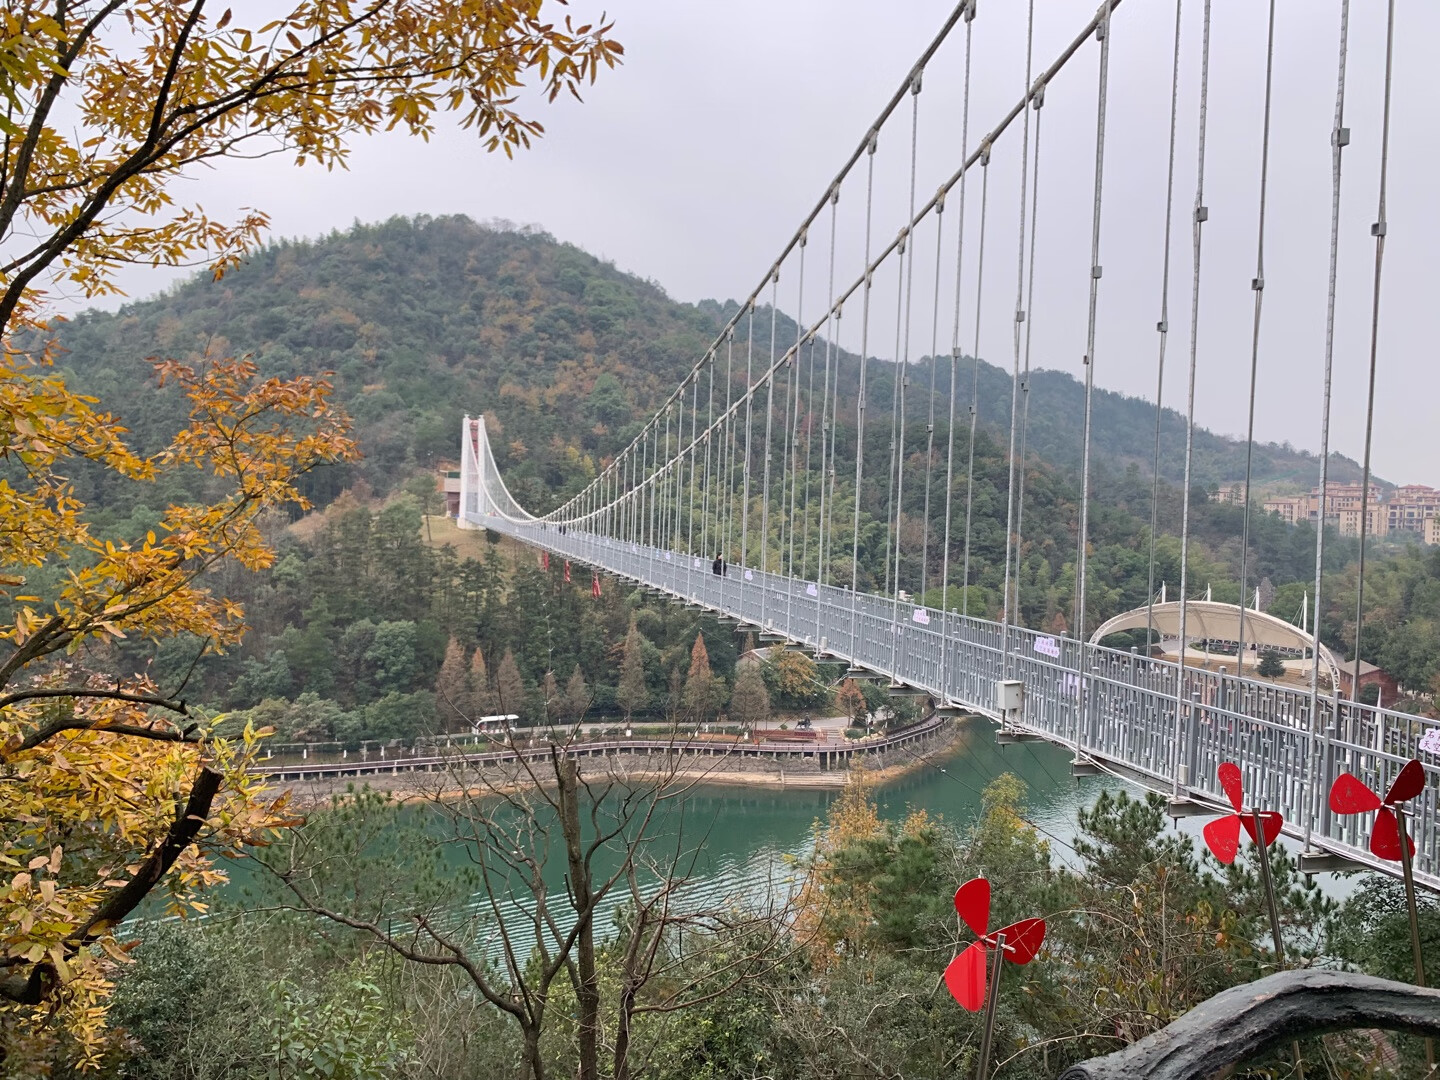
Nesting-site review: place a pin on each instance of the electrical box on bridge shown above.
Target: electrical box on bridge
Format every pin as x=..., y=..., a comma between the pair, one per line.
x=1010, y=695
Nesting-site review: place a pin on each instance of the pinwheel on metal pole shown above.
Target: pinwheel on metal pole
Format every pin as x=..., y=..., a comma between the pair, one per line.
x=1222, y=837
x=1390, y=840
x=965, y=977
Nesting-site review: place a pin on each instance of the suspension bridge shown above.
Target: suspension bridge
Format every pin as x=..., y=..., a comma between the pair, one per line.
x=760, y=453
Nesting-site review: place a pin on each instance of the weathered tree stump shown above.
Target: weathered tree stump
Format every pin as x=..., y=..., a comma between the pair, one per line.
x=1240, y=1023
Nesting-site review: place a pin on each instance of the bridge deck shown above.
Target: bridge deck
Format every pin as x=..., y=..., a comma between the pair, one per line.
x=1127, y=713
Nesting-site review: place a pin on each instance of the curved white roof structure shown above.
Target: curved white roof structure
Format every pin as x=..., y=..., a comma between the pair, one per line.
x=1214, y=621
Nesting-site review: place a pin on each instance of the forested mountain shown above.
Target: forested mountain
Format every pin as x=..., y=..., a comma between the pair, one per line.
x=424, y=320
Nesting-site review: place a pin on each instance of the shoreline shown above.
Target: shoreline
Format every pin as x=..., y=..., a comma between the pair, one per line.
x=404, y=788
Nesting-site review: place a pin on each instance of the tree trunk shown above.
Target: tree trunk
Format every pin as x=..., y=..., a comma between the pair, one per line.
x=532, y=1067
x=587, y=990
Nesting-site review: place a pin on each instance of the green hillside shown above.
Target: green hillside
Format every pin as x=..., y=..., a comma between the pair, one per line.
x=425, y=319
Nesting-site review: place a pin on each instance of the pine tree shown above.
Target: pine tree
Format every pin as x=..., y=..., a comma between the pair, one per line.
x=749, y=701
x=698, y=698
x=1271, y=666
x=632, y=694
x=452, y=697
x=577, y=696
x=482, y=695
x=509, y=685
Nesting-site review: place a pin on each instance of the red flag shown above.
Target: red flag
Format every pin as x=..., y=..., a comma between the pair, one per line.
x=595, y=586
x=567, y=571
x=544, y=560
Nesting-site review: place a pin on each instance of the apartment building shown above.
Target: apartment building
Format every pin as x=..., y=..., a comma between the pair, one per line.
x=1411, y=508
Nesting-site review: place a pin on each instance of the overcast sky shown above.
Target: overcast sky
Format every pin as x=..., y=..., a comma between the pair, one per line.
x=694, y=162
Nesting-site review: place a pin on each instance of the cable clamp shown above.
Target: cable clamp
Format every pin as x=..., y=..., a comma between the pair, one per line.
x=873, y=141
x=834, y=193
x=804, y=236
x=1378, y=229
x=1024, y=386
x=1019, y=315
x=1100, y=28
x=929, y=429
x=1202, y=213
x=1257, y=284
x=1096, y=271
x=915, y=80
x=1341, y=137
x=985, y=153
x=972, y=409
x=969, y=12
x=1162, y=326
x=940, y=200
x=1037, y=94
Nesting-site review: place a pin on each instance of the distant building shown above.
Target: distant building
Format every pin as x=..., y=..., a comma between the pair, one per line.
x=450, y=488
x=1288, y=508
x=1229, y=494
x=1410, y=507
x=1370, y=675
x=1342, y=508
x=1432, y=530
x=1377, y=520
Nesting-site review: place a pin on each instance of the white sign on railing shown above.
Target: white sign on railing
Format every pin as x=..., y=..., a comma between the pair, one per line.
x=811, y=590
x=1047, y=646
x=921, y=616
x=1430, y=742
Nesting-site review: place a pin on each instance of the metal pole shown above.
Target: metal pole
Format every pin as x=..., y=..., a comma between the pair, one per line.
x=1414, y=923
x=992, y=999
x=1269, y=883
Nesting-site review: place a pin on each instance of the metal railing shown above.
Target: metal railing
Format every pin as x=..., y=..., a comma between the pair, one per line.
x=1122, y=711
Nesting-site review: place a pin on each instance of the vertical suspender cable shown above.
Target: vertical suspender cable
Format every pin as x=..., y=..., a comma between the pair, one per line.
x=1257, y=285
x=694, y=456
x=769, y=429
x=1200, y=215
x=1378, y=231
x=1339, y=138
x=1082, y=562
x=1006, y=614
x=930, y=420
x=1038, y=102
x=907, y=266
x=749, y=427
x=897, y=405
x=860, y=395
x=955, y=344
x=705, y=498
x=792, y=447
x=975, y=378
x=728, y=482
x=1163, y=326
x=832, y=331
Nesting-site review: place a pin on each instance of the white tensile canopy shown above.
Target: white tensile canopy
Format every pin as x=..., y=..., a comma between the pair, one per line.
x=1210, y=620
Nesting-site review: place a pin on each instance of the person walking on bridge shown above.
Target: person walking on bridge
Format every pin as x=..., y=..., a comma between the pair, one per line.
x=718, y=566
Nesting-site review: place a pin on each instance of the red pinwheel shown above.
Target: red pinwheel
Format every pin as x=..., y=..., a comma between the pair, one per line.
x=1222, y=835
x=965, y=977
x=1349, y=796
